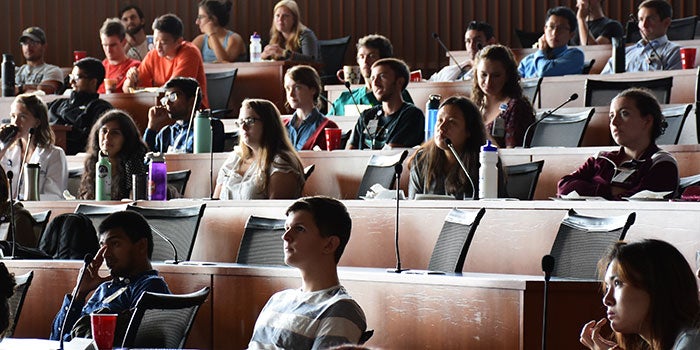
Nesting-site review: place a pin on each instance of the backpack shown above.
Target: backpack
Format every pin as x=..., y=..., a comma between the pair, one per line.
x=69, y=236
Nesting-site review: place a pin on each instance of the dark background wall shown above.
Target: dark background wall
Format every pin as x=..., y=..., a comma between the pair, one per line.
x=74, y=24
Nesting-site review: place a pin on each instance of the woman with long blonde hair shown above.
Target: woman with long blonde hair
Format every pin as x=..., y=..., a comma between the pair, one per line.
x=289, y=38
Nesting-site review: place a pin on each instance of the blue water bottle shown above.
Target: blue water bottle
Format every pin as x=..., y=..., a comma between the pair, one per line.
x=431, y=110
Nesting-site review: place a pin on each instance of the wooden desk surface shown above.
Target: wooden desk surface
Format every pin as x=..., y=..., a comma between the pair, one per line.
x=475, y=311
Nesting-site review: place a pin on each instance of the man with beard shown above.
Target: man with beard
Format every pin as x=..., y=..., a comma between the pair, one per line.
x=172, y=57
x=36, y=74
x=394, y=123
x=180, y=97
x=369, y=49
x=137, y=45
x=116, y=63
x=126, y=246
x=477, y=36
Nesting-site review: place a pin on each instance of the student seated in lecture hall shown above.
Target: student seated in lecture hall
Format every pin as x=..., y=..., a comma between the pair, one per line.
x=217, y=44
x=635, y=123
x=320, y=314
x=290, y=40
x=594, y=28
x=477, y=36
x=116, y=63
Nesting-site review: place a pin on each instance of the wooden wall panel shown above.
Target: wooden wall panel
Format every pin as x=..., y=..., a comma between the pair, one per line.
x=73, y=24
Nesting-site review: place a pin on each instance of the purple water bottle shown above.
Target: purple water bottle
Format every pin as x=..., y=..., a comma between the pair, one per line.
x=157, y=177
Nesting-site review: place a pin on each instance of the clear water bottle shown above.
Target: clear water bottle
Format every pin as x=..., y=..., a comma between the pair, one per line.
x=202, y=132
x=157, y=177
x=488, y=171
x=8, y=75
x=103, y=178
x=431, y=110
x=255, y=48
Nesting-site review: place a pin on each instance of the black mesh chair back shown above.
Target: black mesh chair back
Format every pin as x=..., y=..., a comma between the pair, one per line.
x=583, y=240
x=97, y=213
x=531, y=90
x=308, y=171
x=16, y=301
x=675, y=117
x=601, y=92
x=332, y=55
x=521, y=179
x=219, y=88
x=163, y=320
x=41, y=219
x=178, y=180
x=380, y=170
x=561, y=130
x=527, y=39
x=179, y=225
x=587, y=66
x=453, y=243
x=680, y=29
x=262, y=242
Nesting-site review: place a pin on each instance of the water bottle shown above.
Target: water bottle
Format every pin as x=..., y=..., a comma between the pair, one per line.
x=431, y=110
x=103, y=178
x=618, y=54
x=8, y=75
x=255, y=48
x=31, y=181
x=157, y=177
x=488, y=171
x=202, y=131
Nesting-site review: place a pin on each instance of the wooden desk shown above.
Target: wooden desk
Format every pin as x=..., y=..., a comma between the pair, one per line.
x=474, y=311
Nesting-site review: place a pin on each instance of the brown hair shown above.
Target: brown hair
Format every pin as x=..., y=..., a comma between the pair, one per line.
x=502, y=54
x=43, y=135
x=276, y=37
x=306, y=75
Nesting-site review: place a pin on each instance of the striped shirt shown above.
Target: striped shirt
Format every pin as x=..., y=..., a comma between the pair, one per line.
x=294, y=319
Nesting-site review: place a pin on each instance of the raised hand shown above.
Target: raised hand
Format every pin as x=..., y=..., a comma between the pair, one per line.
x=592, y=339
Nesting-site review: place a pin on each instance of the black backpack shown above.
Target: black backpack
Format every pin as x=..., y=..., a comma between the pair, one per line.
x=69, y=236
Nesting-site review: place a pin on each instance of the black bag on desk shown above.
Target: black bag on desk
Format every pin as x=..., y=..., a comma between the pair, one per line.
x=22, y=252
x=69, y=236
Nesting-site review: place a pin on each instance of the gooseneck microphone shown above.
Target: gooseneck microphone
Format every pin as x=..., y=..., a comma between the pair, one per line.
x=10, y=174
x=172, y=245
x=347, y=86
x=86, y=261
x=196, y=103
x=24, y=161
x=330, y=105
x=437, y=38
x=547, y=268
x=546, y=115
x=398, y=169
x=461, y=165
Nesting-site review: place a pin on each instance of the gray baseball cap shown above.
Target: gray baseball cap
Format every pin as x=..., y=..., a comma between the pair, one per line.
x=34, y=33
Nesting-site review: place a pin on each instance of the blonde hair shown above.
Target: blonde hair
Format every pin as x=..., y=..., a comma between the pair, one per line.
x=276, y=37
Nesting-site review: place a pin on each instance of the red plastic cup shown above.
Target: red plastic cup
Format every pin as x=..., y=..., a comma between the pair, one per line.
x=103, y=326
x=688, y=57
x=79, y=55
x=333, y=138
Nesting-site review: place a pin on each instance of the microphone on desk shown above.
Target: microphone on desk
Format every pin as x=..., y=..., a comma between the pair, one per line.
x=359, y=113
x=461, y=165
x=398, y=169
x=24, y=161
x=10, y=174
x=546, y=115
x=86, y=261
x=437, y=38
x=330, y=105
x=172, y=245
x=547, y=268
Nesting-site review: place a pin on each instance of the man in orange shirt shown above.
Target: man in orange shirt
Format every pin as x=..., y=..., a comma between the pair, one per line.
x=172, y=57
x=117, y=63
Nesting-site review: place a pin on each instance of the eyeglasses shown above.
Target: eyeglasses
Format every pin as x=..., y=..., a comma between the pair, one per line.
x=76, y=77
x=248, y=121
x=172, y=97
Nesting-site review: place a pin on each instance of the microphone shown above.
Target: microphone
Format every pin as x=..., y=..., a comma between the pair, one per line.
x=655, y=54
x=398, y=169
x=547, y=268
x=172, y=245
x=461, y=164
x=347, y=86
x=546, y=115
x=10, y=174
x=24, y=161
x=330, y=105
x=437, y=38
x=86, y=261
x=194, y=109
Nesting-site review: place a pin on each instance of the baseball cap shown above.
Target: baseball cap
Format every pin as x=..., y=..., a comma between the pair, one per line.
x=34, y=33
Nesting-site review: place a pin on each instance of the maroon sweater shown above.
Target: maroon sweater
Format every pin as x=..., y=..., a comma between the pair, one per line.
x=656, y=171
